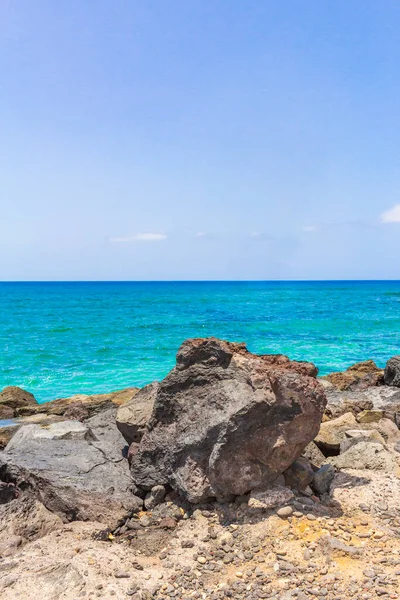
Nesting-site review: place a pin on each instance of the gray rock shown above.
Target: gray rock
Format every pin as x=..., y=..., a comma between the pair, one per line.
x=314, y=454
x=354, y=436
x=270, y=497
x=134, y=415
x=332, y=543
x=154, y=497
x=299, y=475
x=323, y=479
x=284, y=512
x=382, y=397
x=226, y=421
x=364, y=455
x=392, y=372
x=72, y=472
x=107, y=437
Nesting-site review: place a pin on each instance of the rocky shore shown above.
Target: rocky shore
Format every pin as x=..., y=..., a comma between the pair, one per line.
x=237, y=476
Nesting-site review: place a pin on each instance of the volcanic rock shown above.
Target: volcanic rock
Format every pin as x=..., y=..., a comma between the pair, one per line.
x=226, y=421
x=93, y=404
x=133, y=416
x=323, y=479
x=299, y=475
x=314, y=455
x=71, y=471
x=357, y=377
x=392, y=372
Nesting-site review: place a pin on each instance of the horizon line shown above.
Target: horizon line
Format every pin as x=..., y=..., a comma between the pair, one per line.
x=11, y=281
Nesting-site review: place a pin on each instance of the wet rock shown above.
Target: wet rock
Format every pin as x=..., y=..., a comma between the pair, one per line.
x=134, y=415
x=323, y=479
x=392, y=372
x=299, y=475
x=226, y=421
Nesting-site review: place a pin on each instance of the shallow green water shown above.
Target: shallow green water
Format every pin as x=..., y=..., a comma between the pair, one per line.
x=58, y=339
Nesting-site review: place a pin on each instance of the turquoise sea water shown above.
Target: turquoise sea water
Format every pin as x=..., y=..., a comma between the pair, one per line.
x=59, y=339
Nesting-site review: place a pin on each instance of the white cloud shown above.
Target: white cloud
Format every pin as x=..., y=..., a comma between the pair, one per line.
x=310, y=228
x=200, y=234
x=392, y=215
x=139, y=237
x=257, y=235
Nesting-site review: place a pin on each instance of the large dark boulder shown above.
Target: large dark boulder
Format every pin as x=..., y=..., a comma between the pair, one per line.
x=226, y=421
x=392, y=372
x=76, y=471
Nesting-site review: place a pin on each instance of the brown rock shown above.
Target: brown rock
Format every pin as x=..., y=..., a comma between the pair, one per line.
x=6, y=434
x=6, y=412
x=226, y=421
x=92, y=404
x=16, y=397
x=77, y=412
x=332, y=433
x=370, y=416
x=357, y=377
x=168, y=523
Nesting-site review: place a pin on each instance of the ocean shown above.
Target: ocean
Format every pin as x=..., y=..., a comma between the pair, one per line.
x=59, y=339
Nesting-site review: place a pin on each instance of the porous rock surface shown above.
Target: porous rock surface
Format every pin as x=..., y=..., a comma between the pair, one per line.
x=357, y=377
x=226, y=421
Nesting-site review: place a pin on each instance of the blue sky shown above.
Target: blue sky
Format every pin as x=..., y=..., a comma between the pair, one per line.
x=199, y=139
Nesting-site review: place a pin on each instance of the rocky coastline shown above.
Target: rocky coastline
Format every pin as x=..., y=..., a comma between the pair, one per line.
x=237, y=476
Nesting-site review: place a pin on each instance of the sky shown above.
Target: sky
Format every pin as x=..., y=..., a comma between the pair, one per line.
x=199, y=139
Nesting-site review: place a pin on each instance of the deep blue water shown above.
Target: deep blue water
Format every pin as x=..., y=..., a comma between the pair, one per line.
x=59, y=339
